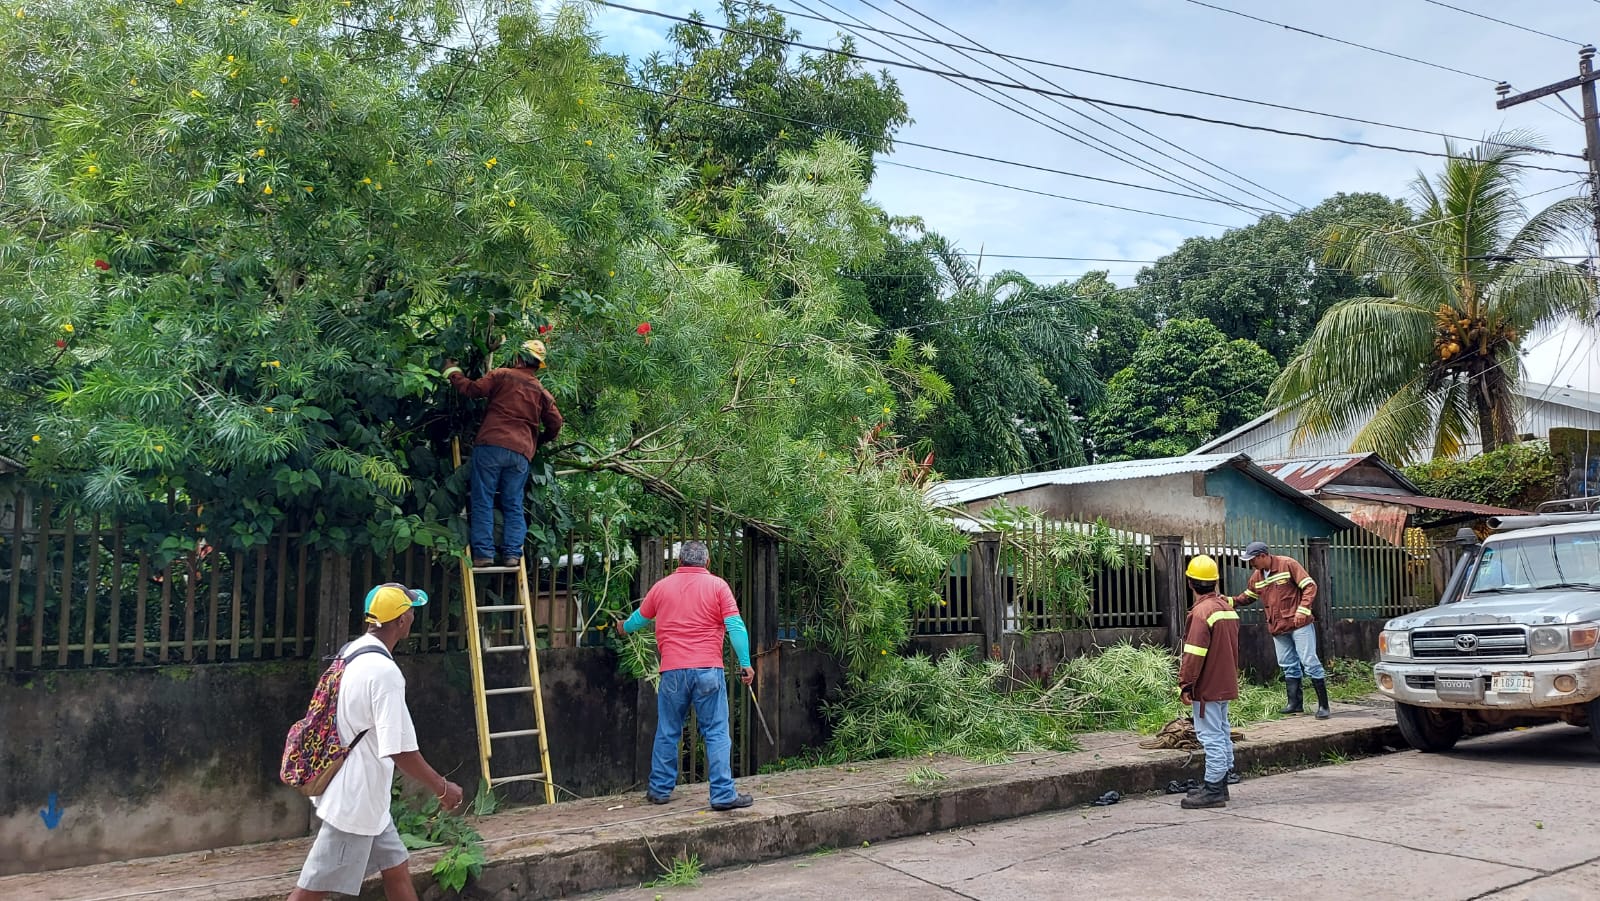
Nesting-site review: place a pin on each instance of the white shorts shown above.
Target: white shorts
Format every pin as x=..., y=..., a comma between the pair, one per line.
x=339, y=861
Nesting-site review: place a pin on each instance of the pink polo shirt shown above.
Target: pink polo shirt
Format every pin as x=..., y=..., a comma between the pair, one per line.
x=689, y=607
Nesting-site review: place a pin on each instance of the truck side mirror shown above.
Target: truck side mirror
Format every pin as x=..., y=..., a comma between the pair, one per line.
x=1466, y=537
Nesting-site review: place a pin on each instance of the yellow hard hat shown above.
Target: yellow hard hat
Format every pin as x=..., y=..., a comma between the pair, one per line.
x=534, y=348
x=1202, y=569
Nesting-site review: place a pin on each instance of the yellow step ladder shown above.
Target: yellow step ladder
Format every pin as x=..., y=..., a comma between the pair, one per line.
x=525, y=641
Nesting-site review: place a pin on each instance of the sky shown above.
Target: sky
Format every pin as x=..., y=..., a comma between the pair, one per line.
x=1184, y=43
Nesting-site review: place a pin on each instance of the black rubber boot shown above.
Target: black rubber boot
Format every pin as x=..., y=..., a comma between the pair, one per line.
x=1297, y=697
x=1321, y=688
x=1211, y=794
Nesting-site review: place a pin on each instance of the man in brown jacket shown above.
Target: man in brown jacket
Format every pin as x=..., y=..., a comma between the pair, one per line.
x=1208, y=678
x=1287, y=592
x=522, y=415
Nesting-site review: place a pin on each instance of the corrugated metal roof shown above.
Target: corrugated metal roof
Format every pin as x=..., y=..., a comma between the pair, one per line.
x=1315, y=473
x=1423, y=502
x=965, y=491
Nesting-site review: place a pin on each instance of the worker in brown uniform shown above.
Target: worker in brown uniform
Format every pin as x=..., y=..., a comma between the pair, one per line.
x=1208, y=678
x=1286, y=591
x=522, y=415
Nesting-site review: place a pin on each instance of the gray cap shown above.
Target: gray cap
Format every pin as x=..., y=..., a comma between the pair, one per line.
x=1253, y=548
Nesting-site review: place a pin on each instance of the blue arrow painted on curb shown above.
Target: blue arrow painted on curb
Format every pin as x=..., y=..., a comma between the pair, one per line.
x=52, y=814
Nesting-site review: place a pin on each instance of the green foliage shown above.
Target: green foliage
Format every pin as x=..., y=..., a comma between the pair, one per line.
x=1136, y=688
x=1187, y=383
x=922, y=776
x=1429, y=361
x=1517, y=476
x=1266, y=283
x=1350, y=679
x=683, y=871
x=1054, y=564
x=432, y=827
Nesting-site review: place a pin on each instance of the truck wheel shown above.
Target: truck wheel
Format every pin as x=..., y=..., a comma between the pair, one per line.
x=1429, y=730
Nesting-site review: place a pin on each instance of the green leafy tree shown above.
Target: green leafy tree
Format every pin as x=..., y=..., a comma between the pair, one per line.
x=1431, y=360
x=1266, y=282
x=1187, y=383
x=1517, y=476
x=1121, y=325
x=256, y=232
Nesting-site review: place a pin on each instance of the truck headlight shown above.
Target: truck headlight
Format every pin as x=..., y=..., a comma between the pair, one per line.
x=1584, y=637
x=1394, y=644
x=1547, y=640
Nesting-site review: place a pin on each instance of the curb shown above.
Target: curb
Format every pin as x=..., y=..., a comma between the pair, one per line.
x=1017, y=789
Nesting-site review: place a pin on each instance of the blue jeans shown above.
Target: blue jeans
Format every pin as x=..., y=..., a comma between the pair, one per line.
x=707, y=690
x=1297, y=653
x=1216, y=736
x=499, y=478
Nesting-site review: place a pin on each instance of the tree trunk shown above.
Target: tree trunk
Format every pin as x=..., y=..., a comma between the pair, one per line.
x=1497, y=426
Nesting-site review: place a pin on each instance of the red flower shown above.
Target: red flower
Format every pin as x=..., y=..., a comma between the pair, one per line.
x=61, y=344
x=294, y=101
x=643, y=329
x=543, y=329
x=102, y=265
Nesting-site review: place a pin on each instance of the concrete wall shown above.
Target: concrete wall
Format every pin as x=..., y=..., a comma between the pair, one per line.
x=1251, y=504
x=161, y=760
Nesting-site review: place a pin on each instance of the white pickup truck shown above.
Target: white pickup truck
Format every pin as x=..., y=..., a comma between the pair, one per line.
x=1516, y=641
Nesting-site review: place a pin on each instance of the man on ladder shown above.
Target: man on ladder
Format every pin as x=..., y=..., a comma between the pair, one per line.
x=522, y=415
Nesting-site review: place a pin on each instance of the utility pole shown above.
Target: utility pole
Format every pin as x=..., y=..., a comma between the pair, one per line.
x=1591, y=118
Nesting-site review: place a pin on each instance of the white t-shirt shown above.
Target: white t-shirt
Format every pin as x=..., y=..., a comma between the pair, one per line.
x=372, y=698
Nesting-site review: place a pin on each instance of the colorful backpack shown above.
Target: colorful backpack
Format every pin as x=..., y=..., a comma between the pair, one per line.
x=313, y=753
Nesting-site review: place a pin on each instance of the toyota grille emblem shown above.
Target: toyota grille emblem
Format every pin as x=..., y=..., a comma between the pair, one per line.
x=1466, y=642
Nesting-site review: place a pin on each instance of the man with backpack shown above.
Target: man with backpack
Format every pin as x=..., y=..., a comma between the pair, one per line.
x=358, y=837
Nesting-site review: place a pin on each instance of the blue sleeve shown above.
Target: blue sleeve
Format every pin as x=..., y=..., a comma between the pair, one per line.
x=635, y=622
x=739, y=637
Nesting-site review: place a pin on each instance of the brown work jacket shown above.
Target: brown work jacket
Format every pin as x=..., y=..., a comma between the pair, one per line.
x=1286, y=591
x=522, y=413
x=1209, y=670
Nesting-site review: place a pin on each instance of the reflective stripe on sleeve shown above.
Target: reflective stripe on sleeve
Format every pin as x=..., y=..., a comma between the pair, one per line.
x=1194, y=649
x=1307, y=581
x=1304, y=611
x=1250, y=594
x=1221, y=614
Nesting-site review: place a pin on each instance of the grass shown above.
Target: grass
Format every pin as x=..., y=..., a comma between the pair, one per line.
x=684, y=871
x=924, y=775
x=1335, y=757
x=1350, y=679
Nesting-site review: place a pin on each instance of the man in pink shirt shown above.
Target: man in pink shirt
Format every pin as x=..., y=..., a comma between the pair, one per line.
x=692, y=609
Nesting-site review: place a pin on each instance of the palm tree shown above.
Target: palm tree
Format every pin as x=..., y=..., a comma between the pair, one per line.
x=1436, y=360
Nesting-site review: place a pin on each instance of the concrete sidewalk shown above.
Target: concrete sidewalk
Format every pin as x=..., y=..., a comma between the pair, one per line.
x=601, y=843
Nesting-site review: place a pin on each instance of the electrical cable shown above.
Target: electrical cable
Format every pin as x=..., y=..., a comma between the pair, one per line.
x=1293, y=204
x=1170, y=87
x=1013, y=85
x=1076, y=134
x=1543, y=34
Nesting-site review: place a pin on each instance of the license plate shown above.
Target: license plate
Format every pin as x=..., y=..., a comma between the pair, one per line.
x=1513, y=683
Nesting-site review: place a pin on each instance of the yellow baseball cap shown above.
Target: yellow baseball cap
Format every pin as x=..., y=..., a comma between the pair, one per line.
x=388, y=601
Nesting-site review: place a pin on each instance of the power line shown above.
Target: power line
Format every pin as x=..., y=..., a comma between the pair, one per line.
x=1157, y=84
x=1013, y=85
x=1543, y=34
x=996, y=184
x=1090, y=141
x=1293, y=204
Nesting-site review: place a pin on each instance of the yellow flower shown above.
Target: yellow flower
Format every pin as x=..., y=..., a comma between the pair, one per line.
x=294, y=21
x=159, y=448
x=270, y=129
x=511, y=202
x=377, y=186
x=66, y=327
x=261, y=151
x=270, y=410
x=611, y=274
x=234, y=74
x=869, y=389
x=793, y=381
x=886, y=410
x=260, y=122
x=94, y=170
x=580, y=101
x=283, y=79
x=588, y=143
x=885, y=653
x=491, y=162
x=309, y=189
x=367, y=180
x=230, y=57
x=196, y=94
x=267, y=189
x=272, y=363
x=35, y=437
x=239, y=180
x=611, y=156
x=428, y=163
x=134, y=80
x=20, y=15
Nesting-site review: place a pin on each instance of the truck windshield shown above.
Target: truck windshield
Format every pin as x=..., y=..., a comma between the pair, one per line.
x=1539, y=563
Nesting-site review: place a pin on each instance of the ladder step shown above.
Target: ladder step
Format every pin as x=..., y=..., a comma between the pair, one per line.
x=517, y=690
x=505, y=649
x=514, y=733
x=500, y=608
x=496, y=569
x=530, y=777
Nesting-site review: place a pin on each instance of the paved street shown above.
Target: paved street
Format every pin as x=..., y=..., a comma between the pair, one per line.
x=1509, y=817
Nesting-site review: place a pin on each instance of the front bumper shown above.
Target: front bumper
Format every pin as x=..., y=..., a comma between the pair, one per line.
x=1469, y=686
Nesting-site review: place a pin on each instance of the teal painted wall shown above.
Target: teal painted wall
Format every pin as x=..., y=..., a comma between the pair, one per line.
x=1250, y=504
